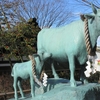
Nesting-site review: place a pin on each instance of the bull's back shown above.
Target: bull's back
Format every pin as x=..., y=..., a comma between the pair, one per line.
x=22, y=70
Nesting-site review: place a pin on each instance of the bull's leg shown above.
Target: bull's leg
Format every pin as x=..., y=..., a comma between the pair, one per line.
x=20, y=88
x=15, y=87
x=32, y=87
x=83, y=77
x=54, y=71
x=72, y=70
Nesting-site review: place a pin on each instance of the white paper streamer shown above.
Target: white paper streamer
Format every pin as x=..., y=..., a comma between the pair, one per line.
x=45, y=77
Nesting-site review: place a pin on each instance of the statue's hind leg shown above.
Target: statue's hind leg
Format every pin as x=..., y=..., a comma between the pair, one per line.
x=54, y=71
x=82, y=75
x=72, y=70
x=20, y=88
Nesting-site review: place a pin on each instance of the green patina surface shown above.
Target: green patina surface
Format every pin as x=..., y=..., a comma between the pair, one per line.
x=67, y=44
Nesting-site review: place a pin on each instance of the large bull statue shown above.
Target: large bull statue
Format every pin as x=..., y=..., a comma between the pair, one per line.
x=67, y=44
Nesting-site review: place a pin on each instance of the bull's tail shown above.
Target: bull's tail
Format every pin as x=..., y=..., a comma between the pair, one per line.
x=12, y=72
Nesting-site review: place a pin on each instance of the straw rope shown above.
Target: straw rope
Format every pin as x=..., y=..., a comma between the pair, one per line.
x=34, y=71
x=91, y=51
x=87, y=37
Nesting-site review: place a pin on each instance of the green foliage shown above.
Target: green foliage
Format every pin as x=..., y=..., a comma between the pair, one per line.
x=19, y=42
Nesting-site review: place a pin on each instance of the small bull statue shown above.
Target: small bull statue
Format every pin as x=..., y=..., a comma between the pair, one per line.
x=67, y=44
x=30, y=69
x=24, y=71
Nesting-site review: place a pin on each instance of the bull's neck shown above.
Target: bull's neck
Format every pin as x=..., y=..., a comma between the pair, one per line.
x=93, y=33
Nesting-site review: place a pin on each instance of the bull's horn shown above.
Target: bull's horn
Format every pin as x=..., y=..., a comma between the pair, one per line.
x=88, y=16
x=94, y=9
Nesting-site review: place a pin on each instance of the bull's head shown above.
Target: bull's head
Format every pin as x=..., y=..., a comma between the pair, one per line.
x=96, y=14
x=40, y=60
x=95, y=17
x=38, y=65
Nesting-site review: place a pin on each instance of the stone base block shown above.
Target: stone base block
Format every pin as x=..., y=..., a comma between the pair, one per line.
x=61, y=90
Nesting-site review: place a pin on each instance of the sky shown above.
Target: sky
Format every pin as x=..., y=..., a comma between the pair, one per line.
x=79, y=9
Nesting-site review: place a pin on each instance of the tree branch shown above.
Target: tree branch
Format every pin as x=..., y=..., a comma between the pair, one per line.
x=90, y=3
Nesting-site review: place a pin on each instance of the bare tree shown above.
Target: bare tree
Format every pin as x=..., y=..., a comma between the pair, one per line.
x=88, y=3
x=47, y=12
x=52, y=13
x=82, y=6
x=95, y=2
x=7, y=14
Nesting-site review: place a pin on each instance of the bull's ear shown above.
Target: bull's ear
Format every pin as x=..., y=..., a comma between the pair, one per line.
x=94, y=9
x=87, y=16
x=82, y=17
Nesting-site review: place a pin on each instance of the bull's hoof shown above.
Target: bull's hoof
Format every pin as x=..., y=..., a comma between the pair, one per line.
x=22, y=97
x=73, y=83
x=16, y=98
x=85, y=81
x=33, y=98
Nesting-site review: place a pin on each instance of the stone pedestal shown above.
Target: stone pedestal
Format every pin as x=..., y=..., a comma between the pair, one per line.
x=60, y=89
x=89, y=91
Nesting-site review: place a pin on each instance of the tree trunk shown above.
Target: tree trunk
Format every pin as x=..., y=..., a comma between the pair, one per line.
x=11, y=66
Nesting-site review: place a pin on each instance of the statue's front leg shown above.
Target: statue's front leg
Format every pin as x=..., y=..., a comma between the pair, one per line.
x=15, y=88
x=72, y=70
x=20, y=88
